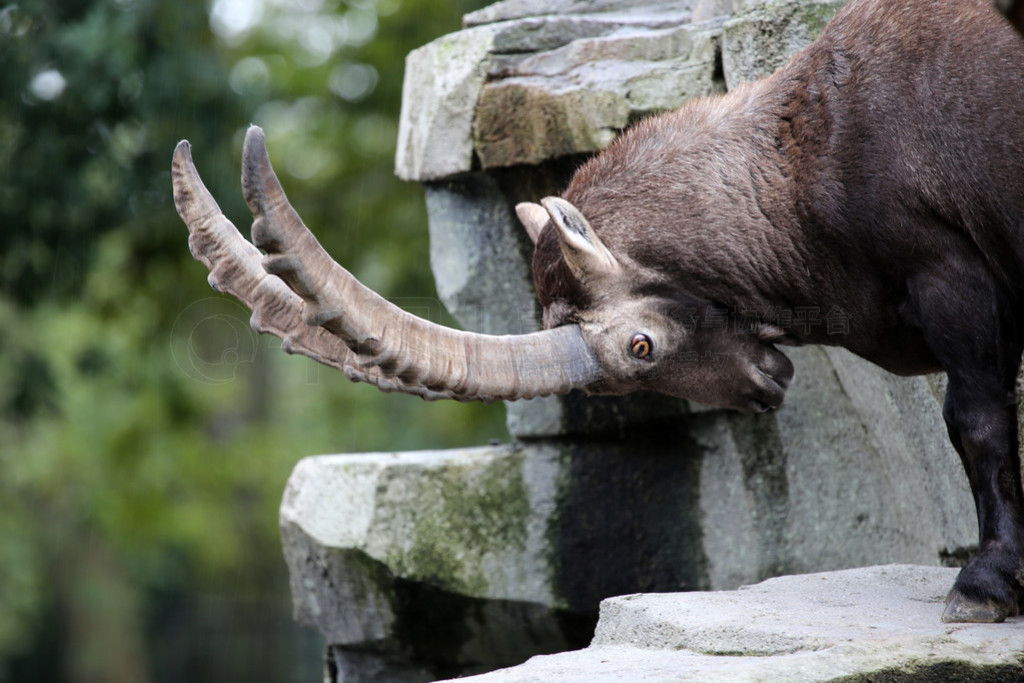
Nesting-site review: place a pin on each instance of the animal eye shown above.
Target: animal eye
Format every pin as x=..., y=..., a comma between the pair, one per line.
x=640, y=346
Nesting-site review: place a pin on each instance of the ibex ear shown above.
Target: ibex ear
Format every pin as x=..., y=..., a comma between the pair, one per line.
x=584, y=252
x=533, y=217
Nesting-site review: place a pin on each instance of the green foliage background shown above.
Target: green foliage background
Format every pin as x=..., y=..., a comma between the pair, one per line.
x=146, y=433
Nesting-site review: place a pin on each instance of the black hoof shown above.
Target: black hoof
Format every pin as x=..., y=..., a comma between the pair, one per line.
x=988, y=589
x=962, y=610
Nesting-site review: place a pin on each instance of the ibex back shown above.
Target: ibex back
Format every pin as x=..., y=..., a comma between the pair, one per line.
x=874, y=182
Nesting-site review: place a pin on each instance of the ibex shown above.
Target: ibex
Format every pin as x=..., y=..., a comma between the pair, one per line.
x=878, y=173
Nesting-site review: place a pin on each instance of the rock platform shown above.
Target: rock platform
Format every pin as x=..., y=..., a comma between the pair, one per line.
x=877, y=623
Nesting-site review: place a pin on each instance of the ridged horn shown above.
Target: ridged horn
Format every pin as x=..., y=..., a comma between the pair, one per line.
x=235, y=267
x=325, y=313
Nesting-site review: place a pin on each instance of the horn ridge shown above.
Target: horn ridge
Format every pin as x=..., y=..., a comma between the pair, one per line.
x=234, y=266
x=326, y=313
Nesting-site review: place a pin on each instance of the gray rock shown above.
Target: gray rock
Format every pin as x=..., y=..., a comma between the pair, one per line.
x=875, y=623
x=537, y=34
x=435, y=561
x=650, y=498
x=576, y=98
x=710, y=9
x=439, y=93
x=497, y=524
x=571, y=80
x=480, y=256
x=828, y=482
x=903, y=419
x=520, y=9
x=764, y=34
x=594, y=417
x=470, y=521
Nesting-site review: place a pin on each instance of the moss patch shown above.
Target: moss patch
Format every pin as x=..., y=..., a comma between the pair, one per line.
x=464, y=515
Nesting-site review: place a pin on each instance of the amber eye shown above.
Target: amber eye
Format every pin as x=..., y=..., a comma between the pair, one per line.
x=640, y=345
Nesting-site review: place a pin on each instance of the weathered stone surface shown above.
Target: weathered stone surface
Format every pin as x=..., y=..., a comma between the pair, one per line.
x=903, y=419
x=507, y=10
x=479, y=256
x=434, y=561
x=545, y=124
x=576, y=73
x=875, y=623
x=592, y=417
x=512, y=524
x=576, y=98
x=471, y=521
x=841, y=476
x=764, y=34
x=439, y=94
x=467, y=560
x=537, y=34
x=704, y=10
x=571, y=81
x=702, y=500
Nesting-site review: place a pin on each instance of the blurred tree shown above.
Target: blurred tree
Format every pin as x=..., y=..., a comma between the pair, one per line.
x=145, y=431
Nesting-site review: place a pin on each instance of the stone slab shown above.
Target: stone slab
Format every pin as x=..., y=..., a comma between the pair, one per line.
x=506, y=10
x=575, y=98
x=854, y=469
x=517, y=88
x=439, y=93
x=470, y=521
x=480, y=256
x=868, y=624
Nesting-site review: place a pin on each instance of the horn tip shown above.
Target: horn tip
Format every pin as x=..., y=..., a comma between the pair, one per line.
x=257, y=173
x=254, y=149
x=191, y=198
x=182, y=166
x=183, y=151
x=254, y=137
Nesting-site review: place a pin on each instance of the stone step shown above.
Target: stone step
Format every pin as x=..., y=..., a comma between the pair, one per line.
x=875, y=623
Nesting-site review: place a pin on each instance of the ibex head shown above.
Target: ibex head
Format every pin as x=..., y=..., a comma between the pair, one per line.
x=619, y=334
x=644, y=330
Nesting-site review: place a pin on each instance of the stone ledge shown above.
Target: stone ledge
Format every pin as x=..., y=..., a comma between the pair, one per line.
x=507, y=10
x=571, y=80
x=873, y=623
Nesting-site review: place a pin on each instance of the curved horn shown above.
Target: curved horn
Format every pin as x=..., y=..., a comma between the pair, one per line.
x=235, y=267
x=370, y=338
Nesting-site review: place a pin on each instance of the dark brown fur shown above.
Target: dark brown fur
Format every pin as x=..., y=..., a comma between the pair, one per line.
x=877, y=174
